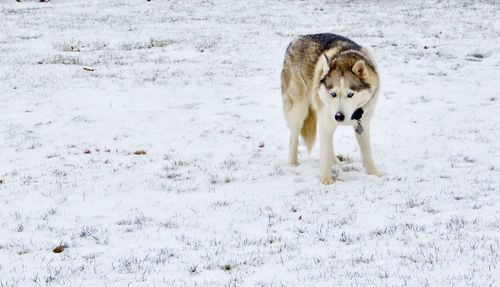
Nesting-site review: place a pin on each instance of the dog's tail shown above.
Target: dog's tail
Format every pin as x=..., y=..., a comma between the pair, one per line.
x=308, y=131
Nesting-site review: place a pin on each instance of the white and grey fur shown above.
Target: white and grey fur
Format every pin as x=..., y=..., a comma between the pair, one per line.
x=327, y=80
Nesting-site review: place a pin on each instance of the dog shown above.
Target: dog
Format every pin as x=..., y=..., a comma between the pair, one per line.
x=328, y=80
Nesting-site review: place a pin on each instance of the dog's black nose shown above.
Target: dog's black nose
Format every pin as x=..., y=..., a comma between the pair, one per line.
x=339, y=117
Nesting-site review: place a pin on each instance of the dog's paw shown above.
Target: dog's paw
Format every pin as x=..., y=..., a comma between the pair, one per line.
x=375, y=172
x=327, y=180
x=293, y=163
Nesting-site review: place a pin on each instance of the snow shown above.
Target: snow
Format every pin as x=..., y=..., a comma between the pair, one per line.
x=195, y=84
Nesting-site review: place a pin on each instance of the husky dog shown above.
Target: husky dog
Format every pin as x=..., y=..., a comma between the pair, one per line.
x=329, y=79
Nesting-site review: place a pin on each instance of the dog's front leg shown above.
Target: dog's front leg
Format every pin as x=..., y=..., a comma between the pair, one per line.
x=326, y=129
x=363, y=138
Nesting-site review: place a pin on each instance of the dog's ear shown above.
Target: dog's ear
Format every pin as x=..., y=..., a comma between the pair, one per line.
x=325, y=65
x=360, y=70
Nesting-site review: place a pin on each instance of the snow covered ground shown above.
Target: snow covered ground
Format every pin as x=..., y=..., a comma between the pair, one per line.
x=148, y=138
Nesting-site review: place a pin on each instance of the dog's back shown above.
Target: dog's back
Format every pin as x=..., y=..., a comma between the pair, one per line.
x=302, y=54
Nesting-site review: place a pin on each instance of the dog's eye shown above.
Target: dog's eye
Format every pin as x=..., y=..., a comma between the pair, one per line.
x=333, y=94
x=350, y=95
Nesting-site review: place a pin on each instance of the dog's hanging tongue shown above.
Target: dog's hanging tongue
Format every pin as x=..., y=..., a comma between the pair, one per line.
x=357, y=114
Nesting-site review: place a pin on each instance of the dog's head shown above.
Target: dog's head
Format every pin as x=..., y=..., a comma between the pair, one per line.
x=347, y=83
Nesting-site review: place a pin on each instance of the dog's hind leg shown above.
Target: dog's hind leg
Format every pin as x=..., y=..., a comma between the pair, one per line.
x=334, y=158
x=296, y=109
x=363, y=139
x=295, y=118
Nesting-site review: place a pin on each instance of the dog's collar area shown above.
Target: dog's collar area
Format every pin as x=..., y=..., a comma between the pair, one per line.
x=359, y=128
x=357, y=114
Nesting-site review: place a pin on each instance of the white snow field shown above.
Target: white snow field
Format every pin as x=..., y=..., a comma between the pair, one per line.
x=148, y=139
